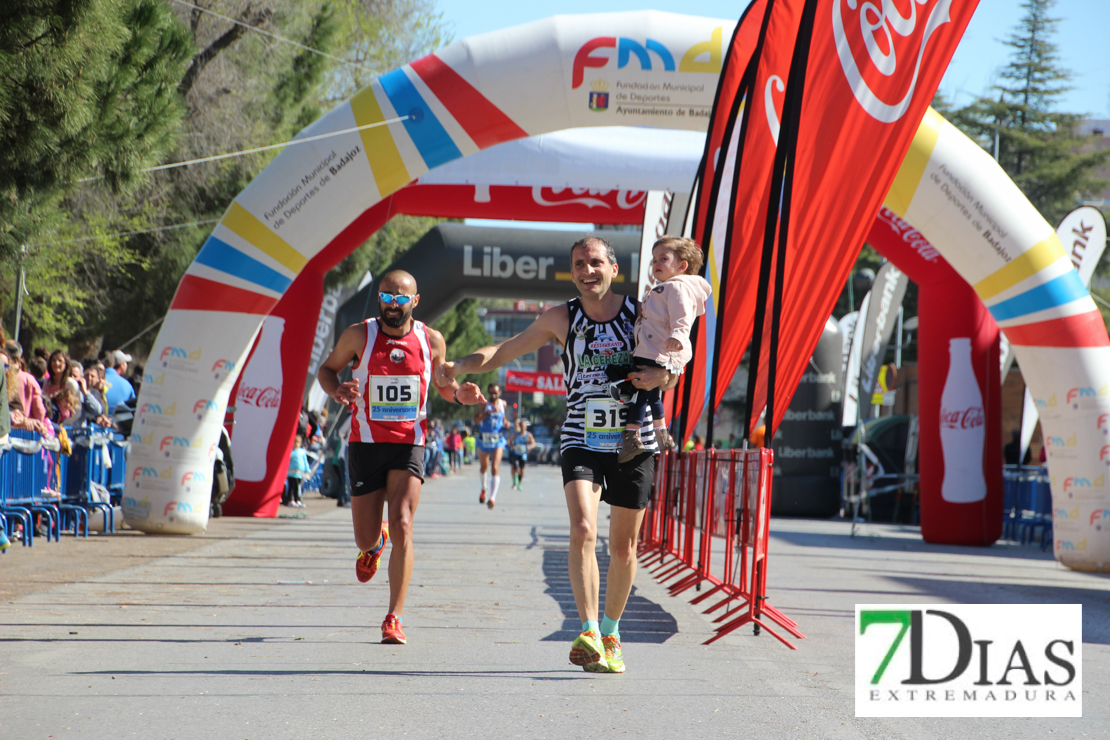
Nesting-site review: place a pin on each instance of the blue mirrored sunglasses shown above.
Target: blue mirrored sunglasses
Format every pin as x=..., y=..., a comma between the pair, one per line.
x=400, y=300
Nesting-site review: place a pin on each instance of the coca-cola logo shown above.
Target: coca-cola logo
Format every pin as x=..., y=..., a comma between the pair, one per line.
x=969, y=418
x=878, y=34
x=909, y=235
x=592, y=198
x=263, y=398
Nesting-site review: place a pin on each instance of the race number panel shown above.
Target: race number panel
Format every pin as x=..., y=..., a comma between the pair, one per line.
x=605, y=420
x=394, y=397
x=491, y=438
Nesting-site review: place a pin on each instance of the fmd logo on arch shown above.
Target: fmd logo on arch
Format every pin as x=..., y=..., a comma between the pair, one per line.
x=969, y=660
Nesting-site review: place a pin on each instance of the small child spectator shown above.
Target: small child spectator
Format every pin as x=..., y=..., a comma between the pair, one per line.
x=470, y=447
x=37, y=368
x=298, y=471
x=663, y=325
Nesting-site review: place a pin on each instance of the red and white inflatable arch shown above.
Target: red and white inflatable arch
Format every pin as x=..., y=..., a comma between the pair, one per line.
x=317, y=201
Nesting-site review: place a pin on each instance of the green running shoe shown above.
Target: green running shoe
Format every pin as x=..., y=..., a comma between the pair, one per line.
x=587, y=649
x=613, y=662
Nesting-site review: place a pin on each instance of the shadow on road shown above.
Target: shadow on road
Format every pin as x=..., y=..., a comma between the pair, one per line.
x=643, y=619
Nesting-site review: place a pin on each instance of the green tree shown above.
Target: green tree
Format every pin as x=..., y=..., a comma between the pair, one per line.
x=381, y=35
x=235, y=90
x=1036, y=144
x=87, y=91
x=242, y=90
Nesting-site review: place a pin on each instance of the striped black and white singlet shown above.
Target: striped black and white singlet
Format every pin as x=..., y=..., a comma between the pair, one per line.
x=589, y=347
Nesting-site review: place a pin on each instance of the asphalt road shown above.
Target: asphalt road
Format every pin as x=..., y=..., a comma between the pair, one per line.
x=268, y=634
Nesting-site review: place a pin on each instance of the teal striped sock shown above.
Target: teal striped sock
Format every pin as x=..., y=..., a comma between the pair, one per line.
x=610, y=626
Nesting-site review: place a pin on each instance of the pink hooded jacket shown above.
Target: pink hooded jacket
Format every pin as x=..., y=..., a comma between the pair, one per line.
x=669, y=310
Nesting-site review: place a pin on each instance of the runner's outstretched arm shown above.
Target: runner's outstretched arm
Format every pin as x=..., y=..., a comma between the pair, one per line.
x=552, y=324
x=466, y=393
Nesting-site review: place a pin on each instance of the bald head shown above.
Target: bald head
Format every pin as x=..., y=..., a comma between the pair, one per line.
x=397, y=286
x=398, y=281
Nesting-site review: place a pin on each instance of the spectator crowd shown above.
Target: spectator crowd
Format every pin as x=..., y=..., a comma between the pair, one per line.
x=47, y=392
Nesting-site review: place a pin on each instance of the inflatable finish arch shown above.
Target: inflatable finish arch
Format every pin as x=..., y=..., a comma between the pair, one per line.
x=316, y=202
x=321, y=199
x=958, y=197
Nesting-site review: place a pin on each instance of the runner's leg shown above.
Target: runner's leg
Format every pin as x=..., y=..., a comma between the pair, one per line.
x=483, y=465
x=366, y=514
x=404, y=494
x=495, y=473
x=583, y=498
x=624, y=525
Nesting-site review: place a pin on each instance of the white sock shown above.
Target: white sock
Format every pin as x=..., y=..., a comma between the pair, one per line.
x=485, y=480
x=493, y=488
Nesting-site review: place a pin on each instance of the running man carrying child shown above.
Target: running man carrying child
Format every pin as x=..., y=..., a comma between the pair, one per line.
x=663, y=324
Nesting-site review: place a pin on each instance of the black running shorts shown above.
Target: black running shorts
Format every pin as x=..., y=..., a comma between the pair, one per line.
x=627, y=486
x=370, y=462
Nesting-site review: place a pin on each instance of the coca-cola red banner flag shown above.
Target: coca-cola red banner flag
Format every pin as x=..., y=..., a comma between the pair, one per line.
x=752, y=193
x=739, y=195
x=527, y=382
x=861, y=80
x=727, y=109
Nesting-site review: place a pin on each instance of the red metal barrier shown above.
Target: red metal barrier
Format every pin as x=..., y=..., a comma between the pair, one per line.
x=702, y=499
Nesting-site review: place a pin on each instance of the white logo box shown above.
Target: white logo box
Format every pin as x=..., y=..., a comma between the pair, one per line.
x=969, y=660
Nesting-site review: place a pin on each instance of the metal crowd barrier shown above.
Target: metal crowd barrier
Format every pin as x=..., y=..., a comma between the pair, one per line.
x=1026, y=504
x=706, y=500
x=31, y=488
x=38, y=482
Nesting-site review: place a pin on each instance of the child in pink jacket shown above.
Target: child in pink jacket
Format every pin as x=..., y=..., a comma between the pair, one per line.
x=663, y=325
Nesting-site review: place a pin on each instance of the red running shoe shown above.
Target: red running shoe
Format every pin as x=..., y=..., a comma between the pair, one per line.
x=366, y=565
x=482, y=497
x=391, y=631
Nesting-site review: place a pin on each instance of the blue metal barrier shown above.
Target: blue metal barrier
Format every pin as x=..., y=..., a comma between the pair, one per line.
x=24, y=480
x=37, y=481
x=1026, y=505
x=86, y=468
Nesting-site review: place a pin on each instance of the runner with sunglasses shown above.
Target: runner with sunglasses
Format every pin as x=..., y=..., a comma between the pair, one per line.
x=392, y=359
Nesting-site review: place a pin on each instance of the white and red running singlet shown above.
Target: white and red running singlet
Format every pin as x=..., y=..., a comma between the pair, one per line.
x=393, y=374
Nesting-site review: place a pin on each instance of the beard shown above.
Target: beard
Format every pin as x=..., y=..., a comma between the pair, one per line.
x=397, y=321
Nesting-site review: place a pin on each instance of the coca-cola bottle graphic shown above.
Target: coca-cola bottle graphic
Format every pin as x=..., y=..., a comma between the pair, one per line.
x=962, y=428
x=257, y=403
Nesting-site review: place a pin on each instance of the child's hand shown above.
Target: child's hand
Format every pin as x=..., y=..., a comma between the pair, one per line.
x=673, y=345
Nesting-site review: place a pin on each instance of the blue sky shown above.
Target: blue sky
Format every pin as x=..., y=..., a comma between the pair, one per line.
x=1081, y=38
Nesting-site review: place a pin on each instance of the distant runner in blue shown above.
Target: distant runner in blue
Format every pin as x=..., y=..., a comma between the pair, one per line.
x=492, y=428
x=519, y=447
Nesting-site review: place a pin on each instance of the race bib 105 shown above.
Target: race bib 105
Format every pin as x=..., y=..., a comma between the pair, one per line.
x=394, y=397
